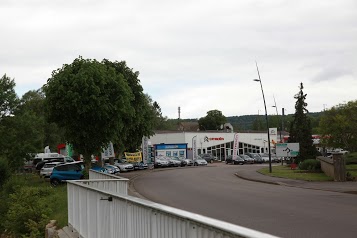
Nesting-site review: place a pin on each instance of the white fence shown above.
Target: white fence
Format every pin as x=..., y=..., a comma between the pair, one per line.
x=107, y=182
x=98, y=212
x=98, y=175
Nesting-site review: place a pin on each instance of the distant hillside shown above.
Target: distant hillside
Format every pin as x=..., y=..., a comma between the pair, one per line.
x=254, y=122
x=246, y=122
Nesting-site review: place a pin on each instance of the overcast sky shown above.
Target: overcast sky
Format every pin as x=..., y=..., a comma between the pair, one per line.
x=199, y=55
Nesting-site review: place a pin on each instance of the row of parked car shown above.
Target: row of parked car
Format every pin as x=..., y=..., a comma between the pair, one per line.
x=162, y=162
x=252, y=158
x=58, y=170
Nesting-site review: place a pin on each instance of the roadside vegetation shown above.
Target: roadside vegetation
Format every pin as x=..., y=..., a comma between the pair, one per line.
x=310, y=170
x=28, y=203
x=286, y=172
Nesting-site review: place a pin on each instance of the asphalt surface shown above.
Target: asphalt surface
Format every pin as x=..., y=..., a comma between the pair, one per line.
x=278, y=206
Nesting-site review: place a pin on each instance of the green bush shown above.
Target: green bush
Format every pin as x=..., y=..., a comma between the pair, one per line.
x=28, y=212
x=4, y=172
x=28, y=199
x=311, y=165
x=351, y=158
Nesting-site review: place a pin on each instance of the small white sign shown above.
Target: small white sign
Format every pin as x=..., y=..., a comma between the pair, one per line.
x=287, y=149
x=108, y=152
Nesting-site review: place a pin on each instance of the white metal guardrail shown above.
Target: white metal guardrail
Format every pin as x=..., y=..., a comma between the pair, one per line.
x=99, y=175
x=107, y=182
x=95, y=212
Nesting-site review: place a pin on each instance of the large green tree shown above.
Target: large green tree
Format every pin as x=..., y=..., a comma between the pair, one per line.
x=140, y=121
x=91, y=102
x=8, y=97
x=338, y=126
x=212, y=121
x=300, y=128
x=27, y=131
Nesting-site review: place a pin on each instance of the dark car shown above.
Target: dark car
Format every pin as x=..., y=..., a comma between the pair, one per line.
x=237, y=160
x=208, y=157
x=247, y=159
x=161, y=162
x=140, y=165
x=256, y=157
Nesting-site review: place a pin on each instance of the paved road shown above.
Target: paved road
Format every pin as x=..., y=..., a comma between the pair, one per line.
x=216, y=192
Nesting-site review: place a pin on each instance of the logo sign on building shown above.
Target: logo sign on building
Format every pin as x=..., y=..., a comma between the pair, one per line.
x=235, y=145
x=273, y=131
x=108, y=152
x=287, y=149
x=145, y=147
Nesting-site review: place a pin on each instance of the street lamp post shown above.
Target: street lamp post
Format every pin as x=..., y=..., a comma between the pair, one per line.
x=266, y=116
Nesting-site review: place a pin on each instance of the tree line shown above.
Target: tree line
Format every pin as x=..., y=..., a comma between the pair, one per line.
x=86, y=103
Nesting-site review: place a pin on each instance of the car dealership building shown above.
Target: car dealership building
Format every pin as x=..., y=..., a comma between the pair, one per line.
x=218, y=143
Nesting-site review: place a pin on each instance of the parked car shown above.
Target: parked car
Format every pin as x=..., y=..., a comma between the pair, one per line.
x=189, y=162
x=46, y=170
x=274, y=158
x=208, y=157
x=173, y=162
x=247, y=159
x=41, y=163
x=160, y=163
x=69, y=171
x=181, y=160
x=112, y=169
x=256, y=157
x=140, y=165
x=237, y=160
x=98, y=168
x=265, y=157
x=199, y=161
x=123, y=166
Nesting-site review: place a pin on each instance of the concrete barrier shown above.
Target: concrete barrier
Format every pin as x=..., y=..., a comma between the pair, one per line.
x=334, y=167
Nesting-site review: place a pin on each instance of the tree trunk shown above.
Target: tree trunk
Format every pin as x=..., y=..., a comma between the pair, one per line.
x=87, y=161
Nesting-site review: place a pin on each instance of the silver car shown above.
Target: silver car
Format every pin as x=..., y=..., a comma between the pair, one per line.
x=199, y=161
x=123, y=166
x=160, y=162
x=112, y=169
x=46, y=170
x=189, y=162
x=173, y=162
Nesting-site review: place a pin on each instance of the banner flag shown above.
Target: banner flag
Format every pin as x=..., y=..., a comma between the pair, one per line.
x=145, y=148
x=235, y=146
x=194, y=148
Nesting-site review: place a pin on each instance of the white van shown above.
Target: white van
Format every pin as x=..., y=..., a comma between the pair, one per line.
x=51, y=157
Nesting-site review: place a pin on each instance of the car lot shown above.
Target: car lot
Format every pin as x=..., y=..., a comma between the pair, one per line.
x=59, y=172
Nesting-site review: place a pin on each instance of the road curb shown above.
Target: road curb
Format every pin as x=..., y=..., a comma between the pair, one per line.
x=256, y=180
x=294, y=186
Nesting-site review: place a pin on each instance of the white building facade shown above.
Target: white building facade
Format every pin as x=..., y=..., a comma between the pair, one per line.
x=220, y=144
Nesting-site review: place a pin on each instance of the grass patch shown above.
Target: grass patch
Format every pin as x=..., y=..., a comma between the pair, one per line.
x=60, y=206
x=286, y=172
x=353, y=173
x=351, y=166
